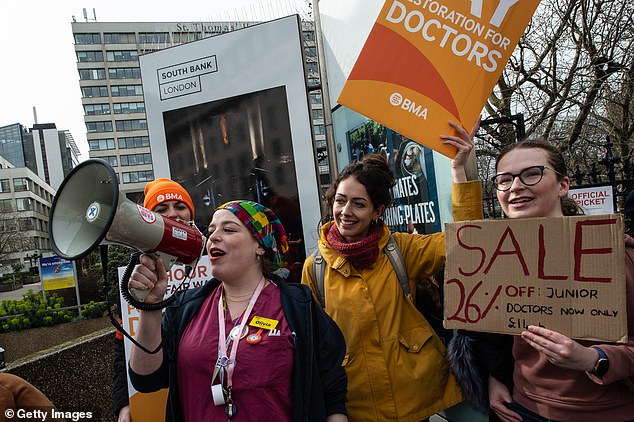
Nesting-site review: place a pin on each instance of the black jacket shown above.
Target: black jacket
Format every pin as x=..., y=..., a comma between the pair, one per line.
x=319, y=380
x=120, y=379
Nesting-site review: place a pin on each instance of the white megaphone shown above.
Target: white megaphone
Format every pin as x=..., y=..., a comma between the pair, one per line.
x=88, y=211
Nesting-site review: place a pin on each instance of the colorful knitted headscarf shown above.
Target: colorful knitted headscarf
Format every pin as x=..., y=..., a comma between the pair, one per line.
x=263, y=225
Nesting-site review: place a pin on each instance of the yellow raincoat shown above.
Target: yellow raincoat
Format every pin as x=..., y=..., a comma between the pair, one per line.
x=394, y=361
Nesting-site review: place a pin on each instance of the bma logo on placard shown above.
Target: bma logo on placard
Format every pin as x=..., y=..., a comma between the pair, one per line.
x=397, y=100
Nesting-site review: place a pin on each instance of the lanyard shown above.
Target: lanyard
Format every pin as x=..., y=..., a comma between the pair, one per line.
x=229, y=363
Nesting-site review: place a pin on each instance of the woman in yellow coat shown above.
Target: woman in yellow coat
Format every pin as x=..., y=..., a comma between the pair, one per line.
x=394, y=361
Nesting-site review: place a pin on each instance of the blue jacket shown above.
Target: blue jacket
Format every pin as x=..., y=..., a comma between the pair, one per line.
x=319, y=380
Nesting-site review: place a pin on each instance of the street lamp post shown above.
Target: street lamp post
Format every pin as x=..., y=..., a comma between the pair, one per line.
x=33, y=259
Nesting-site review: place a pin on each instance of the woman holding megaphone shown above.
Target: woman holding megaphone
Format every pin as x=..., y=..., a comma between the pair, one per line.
x=245, y=344
x=171, y=200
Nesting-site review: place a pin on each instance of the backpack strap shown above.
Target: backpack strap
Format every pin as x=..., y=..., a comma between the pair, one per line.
x=391, y=250
x=318, y=275
x=398, y=263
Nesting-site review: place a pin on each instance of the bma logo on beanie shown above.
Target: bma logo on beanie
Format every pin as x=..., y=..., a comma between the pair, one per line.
x=160, y=198
x=161, y=190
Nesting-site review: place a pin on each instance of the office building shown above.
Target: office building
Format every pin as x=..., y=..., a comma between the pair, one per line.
x=25, y=203
x=46, y=151
x=33, y=163
x=112, y=93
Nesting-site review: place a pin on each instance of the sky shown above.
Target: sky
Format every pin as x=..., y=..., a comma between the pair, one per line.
x=39, y=66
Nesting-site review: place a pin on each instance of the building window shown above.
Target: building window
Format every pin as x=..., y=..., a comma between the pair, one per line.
x=20, y=184
x=5, y=186
x=315, y=98
x=94, y=91
x=126, y=90
x=24, y=204
x=136, y=159
x=310, y=51
x=124, y=73
x=111, y=159
x=308, y=35
x=92, y=74
x=99, y=127
x=84, y=39
x=313, y=67
x=129, y=125
x=318, y=129
x=89, y=56
x=313, y=81
x=6, y=205
x=122, y=56
x=125, y=108
x=317, y=113
x=137, y=176
x=96, y=109
x=183, y=37
x=101, y=144
x=119, y=38
x=153, y=37
x=9, y=226
x=134, y=142
x=26, y=223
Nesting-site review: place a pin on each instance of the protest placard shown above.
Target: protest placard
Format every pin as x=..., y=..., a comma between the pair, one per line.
x=565, y=273
x=426, y=62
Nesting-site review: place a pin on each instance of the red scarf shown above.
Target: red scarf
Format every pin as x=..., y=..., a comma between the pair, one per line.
x=361, y=254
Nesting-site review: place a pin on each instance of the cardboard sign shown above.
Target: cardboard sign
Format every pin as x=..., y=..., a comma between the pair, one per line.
x=566, y=274
x=426, y=62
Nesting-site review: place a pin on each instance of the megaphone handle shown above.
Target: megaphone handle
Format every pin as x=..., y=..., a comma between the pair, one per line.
x=168, y=261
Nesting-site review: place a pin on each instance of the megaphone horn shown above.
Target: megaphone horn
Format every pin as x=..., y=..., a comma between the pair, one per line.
x=88, y=210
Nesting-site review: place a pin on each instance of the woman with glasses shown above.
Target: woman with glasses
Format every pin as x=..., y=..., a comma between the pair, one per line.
x=550, y=377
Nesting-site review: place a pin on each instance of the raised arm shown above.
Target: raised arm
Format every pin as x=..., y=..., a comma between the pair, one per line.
x=464, y=143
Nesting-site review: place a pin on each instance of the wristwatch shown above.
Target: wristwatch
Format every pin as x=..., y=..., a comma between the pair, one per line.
x=602, y=365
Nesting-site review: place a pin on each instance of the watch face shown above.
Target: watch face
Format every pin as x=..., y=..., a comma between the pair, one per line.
x=602, y=367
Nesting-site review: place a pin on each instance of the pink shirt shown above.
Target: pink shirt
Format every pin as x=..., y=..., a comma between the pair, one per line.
x=263, y=373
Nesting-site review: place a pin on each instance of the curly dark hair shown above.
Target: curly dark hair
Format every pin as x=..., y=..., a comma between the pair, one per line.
x=372, y=172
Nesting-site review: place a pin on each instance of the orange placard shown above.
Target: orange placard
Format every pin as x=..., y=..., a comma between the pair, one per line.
x=426, y=62
x=148, y=407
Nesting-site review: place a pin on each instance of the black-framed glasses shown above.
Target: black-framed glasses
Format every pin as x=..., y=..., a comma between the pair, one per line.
x=530, y=176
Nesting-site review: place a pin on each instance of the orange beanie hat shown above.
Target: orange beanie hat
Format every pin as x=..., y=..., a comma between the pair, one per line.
x=161, y=190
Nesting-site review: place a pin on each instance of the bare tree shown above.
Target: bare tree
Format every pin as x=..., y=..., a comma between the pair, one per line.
x=571, y=77
x=12, y=239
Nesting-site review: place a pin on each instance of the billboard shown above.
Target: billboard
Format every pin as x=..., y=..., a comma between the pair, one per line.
x=56, y=273
x=228, y=118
